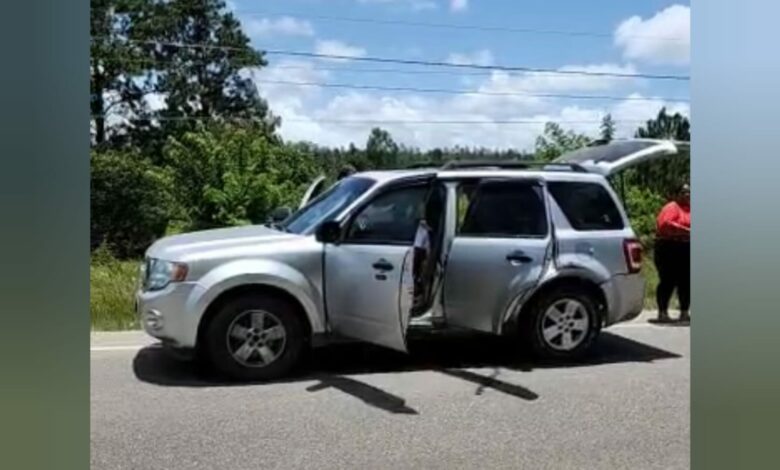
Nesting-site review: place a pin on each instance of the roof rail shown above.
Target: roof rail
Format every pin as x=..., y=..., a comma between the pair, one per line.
x=513, y=164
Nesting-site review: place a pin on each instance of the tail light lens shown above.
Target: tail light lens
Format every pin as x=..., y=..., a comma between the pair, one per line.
x=633, y=251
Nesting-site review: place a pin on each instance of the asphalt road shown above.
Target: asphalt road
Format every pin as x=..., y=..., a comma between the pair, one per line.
x=454, y=403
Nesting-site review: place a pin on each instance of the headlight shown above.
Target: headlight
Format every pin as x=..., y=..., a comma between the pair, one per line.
x=160, y=273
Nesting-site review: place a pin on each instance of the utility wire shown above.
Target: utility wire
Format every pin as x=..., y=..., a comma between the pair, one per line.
x=352, y=86
x=365, y=121
x=436, y=25
x=509, y=68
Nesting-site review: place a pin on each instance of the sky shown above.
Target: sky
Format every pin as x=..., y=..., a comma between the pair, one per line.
x=649, y=37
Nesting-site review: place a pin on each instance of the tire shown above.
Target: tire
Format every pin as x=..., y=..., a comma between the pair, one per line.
x=569, y=337
x=237, y=347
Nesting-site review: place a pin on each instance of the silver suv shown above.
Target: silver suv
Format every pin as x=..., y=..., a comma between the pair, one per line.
x=545, y=252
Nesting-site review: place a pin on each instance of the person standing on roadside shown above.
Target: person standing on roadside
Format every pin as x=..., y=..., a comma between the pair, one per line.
x=673, y=255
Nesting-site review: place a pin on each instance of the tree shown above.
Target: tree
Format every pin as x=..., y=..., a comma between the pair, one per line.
x=188, y=55
x=555, y=142
x=117, y=64
x=607, y=129
x=664, y=176
x=130, y=203
x=210, y=77
x=664, y=126
x=381, y=149
x=229, y=175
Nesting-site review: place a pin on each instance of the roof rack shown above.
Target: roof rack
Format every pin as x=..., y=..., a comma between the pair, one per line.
x=513, y=164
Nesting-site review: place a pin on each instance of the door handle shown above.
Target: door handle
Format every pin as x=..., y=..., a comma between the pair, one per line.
x=518, y=256
x=383, y=265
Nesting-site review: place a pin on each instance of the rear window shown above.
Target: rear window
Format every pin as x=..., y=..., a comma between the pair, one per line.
x=505, y=210
x=588, y=206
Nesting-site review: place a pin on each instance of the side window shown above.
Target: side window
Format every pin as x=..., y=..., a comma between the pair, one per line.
x=391, y=218
x=465, y=195
x=506, y=209
x=588, y=206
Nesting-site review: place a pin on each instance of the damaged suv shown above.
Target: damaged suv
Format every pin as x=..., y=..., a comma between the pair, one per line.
x=544, y=252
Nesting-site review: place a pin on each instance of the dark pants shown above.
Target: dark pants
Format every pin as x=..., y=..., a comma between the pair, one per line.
x=673, y=261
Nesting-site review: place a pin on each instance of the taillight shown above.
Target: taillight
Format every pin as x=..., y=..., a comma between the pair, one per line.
x=633, y=251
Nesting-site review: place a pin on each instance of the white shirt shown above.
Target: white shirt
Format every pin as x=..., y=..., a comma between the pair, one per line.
x=422, y=238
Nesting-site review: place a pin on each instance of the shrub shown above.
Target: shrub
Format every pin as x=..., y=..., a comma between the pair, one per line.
x=231, y=176
x=130, y=203
x=112, y=284
x=643, y=206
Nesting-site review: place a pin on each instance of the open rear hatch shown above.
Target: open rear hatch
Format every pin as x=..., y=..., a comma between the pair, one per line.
x=608, y=159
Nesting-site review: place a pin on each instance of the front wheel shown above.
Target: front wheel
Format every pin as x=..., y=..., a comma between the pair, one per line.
x=255, y=337
x=562, y=325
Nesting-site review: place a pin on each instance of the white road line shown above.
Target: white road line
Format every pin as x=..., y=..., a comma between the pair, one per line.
x=126, y=347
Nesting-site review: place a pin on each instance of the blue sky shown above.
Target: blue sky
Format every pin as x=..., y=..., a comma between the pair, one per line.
x=641, y=36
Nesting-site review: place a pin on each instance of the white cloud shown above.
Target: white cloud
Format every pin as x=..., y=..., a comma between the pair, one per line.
x=414, y=5
x=308, y=113
x=664, y=39
x=285, y=25
x=459, y=5
x=481, y=57
x=338, y=48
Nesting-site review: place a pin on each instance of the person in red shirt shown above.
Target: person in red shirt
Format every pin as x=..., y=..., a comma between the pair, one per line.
x=673, y=255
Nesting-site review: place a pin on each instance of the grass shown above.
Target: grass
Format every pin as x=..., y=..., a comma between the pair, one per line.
x=112, y=287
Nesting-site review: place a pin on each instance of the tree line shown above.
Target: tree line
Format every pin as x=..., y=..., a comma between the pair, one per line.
x=181, y=139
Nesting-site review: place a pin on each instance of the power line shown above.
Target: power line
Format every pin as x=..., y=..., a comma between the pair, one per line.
x=352, y=86
x=454, y=26
x=340, y=68
x=368, y=121
x=436, y=25
x=507, y=68
x=386, y=60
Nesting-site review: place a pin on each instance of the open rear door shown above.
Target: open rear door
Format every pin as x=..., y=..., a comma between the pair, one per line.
x=618, y=155
x=314, y=190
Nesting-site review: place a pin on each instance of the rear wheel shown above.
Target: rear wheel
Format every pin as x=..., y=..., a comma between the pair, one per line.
x=563, y=324
x=254, y=337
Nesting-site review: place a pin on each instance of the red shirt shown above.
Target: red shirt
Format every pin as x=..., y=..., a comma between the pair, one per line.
x=673, y=212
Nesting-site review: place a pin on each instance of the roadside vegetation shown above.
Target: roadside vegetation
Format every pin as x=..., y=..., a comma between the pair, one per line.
x=213, y=156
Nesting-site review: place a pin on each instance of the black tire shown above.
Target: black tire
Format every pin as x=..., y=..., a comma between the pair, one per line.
x=216, y=344
x=534, y=321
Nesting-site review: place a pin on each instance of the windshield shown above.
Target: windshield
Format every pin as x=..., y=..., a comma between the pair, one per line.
x=327, y=205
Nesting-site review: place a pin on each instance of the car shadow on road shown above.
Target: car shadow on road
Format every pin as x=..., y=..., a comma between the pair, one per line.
x=331, y=366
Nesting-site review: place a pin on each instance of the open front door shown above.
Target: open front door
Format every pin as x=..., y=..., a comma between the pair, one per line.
x=313, y=191
x=618, y=155
x=368, y=273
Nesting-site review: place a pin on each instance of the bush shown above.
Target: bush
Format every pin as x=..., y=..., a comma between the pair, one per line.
x=112, y=284
x=643, y=206
x=231, y=176
x=130, y=203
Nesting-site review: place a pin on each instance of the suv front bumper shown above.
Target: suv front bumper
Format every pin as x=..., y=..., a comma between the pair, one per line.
x=164, y=314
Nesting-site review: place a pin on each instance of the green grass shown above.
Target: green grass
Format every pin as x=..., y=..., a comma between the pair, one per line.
x=112, y=286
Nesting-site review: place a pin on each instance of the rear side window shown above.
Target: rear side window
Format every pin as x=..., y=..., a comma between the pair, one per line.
x=505, y=210
x=588, y=206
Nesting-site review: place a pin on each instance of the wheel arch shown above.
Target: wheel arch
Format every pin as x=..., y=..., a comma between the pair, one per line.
x=223, y=297
x=571, y=280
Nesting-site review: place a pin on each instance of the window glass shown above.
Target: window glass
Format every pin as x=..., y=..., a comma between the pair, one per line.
x=327, y=205
x=506, y=210
x=588, y=206
x=391, y=217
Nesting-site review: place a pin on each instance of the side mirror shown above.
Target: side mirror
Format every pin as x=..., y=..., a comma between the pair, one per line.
x=328, y=232
x=280, y=214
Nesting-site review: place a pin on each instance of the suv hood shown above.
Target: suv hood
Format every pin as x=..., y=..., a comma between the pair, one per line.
x=203, y=243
